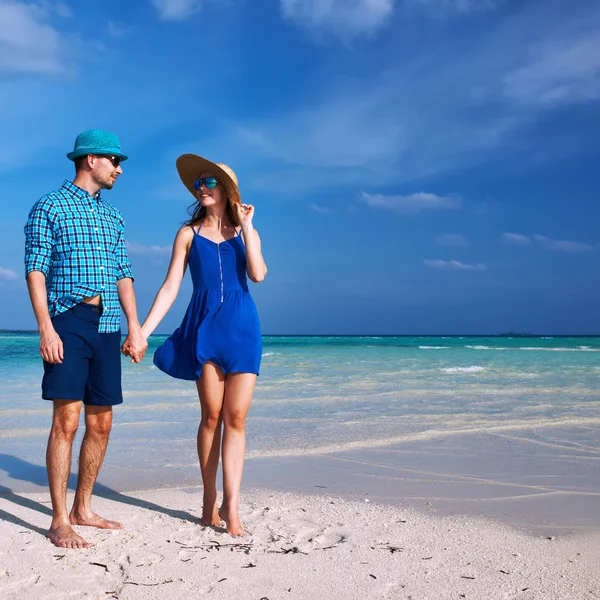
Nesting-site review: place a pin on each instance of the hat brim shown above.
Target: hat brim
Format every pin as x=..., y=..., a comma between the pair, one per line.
x=189, y=167
x=85, y=151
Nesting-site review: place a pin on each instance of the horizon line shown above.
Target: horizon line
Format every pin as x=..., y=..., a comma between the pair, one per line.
x=373, y=335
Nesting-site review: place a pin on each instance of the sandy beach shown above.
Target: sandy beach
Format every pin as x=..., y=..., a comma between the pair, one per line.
x=420, y=469
x=300, y=546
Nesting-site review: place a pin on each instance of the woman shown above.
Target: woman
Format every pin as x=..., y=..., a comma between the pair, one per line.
x=218, y=344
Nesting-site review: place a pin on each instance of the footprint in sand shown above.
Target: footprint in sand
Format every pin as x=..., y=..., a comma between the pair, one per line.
x=304, y=534
x=147, y=559
x=186, y=555
x=330, y=537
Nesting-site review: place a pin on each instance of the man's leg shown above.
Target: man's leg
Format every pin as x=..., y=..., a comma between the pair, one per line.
x=58, y=460
x=98, y=423
x=102, y=392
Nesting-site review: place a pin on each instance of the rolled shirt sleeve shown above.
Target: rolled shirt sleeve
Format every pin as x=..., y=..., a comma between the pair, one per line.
x=123, y=264
x=38, y=240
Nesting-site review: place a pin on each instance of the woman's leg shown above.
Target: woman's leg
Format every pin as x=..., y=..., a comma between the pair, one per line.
x=238, y=395
x=211, y=388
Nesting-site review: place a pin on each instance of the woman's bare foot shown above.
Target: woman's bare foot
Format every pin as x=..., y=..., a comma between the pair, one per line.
x=93, y=520
x=232, y=520
x=211, y=517
x=64, y=536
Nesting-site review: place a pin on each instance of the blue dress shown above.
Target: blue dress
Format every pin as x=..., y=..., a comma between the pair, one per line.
x=221, y=322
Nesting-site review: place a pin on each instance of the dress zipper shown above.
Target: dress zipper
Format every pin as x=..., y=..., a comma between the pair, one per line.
x=220, y=270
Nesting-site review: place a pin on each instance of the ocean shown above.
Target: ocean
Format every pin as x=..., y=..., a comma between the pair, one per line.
x=328, y=395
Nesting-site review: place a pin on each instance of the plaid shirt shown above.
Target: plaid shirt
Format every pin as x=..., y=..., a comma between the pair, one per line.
x=77, y=242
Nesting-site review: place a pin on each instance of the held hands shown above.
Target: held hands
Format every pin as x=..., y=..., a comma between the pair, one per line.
x=244, y=213
x=51, y=346
x=135, y=345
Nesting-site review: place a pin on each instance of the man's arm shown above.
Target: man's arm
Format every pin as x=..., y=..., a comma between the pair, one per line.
x=51, y=346
x=135, y=344
x=38, y=248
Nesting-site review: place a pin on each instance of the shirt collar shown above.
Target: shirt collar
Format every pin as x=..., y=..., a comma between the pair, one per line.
x=80, y=193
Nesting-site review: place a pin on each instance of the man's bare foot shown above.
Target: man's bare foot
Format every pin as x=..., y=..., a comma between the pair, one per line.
x=64, y=536
x=234, y=526
x=93, y=520
x=211, y=517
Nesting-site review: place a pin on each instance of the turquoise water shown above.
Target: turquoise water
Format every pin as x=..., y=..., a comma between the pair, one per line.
x=329, y=394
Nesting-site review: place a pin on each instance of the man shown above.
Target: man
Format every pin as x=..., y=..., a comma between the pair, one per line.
x=78, y=273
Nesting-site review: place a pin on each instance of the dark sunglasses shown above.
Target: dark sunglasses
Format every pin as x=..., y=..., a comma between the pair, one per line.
x=209, y=182
x=115, y=160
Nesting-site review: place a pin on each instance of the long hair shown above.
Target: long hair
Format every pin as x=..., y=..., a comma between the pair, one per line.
x=197, y=212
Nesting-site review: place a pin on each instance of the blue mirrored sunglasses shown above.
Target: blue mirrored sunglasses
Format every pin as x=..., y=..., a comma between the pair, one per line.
x=209, y=182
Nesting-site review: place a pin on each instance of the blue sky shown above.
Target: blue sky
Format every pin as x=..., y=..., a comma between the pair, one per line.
x=417, y=166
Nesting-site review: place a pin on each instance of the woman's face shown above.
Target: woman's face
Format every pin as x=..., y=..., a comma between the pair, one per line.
x=210, y=196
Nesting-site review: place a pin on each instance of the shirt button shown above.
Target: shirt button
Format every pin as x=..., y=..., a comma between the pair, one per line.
x=99, y=248
x=95, y=229
x=102, y=268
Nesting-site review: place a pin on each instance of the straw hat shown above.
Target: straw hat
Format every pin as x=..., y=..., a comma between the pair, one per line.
x=190, y=166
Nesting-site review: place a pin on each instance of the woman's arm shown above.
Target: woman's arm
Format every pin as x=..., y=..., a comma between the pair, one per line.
x=169, y=289
x=255, y=263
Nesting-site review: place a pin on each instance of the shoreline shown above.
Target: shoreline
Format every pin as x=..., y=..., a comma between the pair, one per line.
x=476, y=476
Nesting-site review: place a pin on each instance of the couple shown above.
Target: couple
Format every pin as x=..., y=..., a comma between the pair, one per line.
x=79, y=277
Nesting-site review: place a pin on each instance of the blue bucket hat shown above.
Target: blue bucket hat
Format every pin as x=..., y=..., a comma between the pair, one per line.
x=96, y=141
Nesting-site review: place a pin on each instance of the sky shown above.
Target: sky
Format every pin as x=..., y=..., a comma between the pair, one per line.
x=416, y=166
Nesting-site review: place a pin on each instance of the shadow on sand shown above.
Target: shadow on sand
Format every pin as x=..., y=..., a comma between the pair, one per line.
x=17, y=468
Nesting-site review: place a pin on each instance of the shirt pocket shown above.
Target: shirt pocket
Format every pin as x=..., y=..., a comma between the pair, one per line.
x=74, y=232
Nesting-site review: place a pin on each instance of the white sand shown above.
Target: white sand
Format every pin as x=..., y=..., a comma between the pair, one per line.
x=301, y=547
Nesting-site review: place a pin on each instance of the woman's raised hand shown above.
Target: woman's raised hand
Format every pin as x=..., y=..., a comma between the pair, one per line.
x=244, y=213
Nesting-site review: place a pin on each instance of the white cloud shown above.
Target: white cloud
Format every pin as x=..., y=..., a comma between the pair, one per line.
x=374, y=127
x=60, y=8
x=413, y=203
x=454, y=265
x=516, y=239
x=349, y=129
x=441, y=7
x=156, y=255
x=27, y=43
x=135, y=248
x=320, y=209
x=562, y=71
x=419, y=116
x=63, y=10
x=452, y=239
x=562, y=245
x=7, y=274
x=346, y=19
x=176, y=10
x=118, y=29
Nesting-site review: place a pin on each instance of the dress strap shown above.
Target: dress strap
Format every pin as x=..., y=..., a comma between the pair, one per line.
x=197, y=231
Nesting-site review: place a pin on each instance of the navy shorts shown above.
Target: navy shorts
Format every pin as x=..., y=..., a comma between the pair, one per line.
x=91, y=366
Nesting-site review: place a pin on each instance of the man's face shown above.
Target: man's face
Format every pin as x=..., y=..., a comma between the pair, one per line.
x=104, y=171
